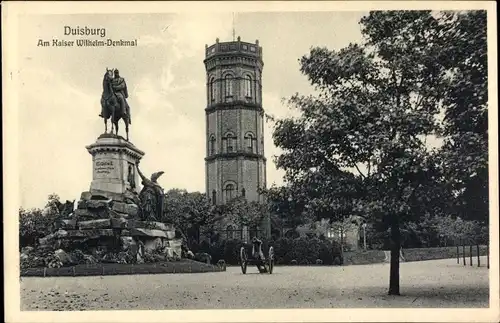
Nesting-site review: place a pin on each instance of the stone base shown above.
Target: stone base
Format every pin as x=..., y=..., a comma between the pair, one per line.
x=111, y=227
x=114, y=165
x=130, y=233
x=110, y=220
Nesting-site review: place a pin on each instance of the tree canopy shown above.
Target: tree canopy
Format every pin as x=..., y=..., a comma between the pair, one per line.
x=361, y=144
x=465, y=125
x=187, y=211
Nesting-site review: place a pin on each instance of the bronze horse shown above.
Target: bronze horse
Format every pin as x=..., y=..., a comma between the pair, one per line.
x=111, y=106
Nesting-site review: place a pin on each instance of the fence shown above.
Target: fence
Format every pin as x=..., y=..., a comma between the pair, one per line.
x=232, y=234
x=469, y=250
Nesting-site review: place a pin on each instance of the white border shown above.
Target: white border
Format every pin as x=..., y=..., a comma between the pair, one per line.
x=10, y=12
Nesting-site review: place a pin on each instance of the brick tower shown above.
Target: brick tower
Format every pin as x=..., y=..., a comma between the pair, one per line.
x=235, y=162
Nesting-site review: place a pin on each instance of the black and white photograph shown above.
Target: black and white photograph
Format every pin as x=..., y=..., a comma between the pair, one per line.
x=259, y=161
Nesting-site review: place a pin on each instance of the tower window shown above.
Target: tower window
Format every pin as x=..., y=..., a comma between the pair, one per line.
x=243, y=192
x=249, y=139
x=212, y=89
x=214, y=197
x=248, y=86
x=228, y=85
x=230, y=142
x=230, y=190
x=212, y=145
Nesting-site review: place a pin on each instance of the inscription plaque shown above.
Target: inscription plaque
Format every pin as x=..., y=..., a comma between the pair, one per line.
x=104, y=167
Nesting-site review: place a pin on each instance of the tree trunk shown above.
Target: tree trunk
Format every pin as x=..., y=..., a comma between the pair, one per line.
x=395, y=250
x=342, y=244
x=458, y=255
x=463, y=250
x=470, y=251
x=488, y=255
x=478, y=261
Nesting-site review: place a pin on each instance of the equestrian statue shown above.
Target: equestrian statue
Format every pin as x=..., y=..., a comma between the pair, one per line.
x=114, y=103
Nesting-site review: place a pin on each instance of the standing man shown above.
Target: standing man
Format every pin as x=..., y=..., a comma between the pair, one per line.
x=121, y=92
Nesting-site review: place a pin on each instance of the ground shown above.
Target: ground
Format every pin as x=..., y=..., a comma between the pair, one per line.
x=436, y=283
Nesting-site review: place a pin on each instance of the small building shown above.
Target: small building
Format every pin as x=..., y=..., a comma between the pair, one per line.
x=350, y=230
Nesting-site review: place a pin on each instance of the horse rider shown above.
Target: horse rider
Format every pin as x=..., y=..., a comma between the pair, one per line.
x=120, y=90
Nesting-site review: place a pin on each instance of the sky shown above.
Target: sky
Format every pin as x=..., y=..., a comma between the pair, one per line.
x=60, y=89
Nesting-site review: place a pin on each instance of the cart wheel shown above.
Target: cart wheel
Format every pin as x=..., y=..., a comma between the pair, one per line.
x=243, y=260
x=271, y=260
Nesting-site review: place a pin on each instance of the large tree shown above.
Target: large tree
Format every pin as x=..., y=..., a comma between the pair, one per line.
x=286, y=205
x=360, y=146
x=188, y=211
x=244, y=213
x=465, y=149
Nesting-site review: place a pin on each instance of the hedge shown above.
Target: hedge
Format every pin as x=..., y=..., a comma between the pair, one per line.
x=304, y=251
x=364, y=257
x=413, y=254
x=184, y=266
x=419, y=254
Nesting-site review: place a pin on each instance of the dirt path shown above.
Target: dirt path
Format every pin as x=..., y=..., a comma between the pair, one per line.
x=437, y=283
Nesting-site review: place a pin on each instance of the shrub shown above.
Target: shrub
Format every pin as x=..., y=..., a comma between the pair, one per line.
x=304, y=262
x=204, y=246
x=308, y=251
x=336, y=261
x=33, y=225
x=222, y=264
x=194, y=246
x=231, y=253
x=216, y=251
x=77, y=256
x=203, y=257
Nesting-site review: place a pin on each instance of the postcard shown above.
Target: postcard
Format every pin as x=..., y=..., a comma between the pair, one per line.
x=250, y=161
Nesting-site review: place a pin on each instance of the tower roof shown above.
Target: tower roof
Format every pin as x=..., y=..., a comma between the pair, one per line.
x=233, y=47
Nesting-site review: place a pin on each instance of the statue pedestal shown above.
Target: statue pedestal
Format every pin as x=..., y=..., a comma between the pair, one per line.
x=114, y=165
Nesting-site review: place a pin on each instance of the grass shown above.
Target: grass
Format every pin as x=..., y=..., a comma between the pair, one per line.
x=441, y=253
x=415, y=254
x=183, y=266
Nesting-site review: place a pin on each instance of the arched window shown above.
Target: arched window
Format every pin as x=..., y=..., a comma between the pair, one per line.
x=248, y=86
x=214, y=197
x=243, y=192
x=230, y=144
x=230, y=139
x=212, y=145
x=230, y=192
x=228, y=85
x=249, y=141
x=212, y=89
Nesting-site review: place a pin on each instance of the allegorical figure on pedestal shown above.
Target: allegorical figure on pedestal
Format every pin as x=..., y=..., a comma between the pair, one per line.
x=114, y=103
x=151, y=197
x=131, y=176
